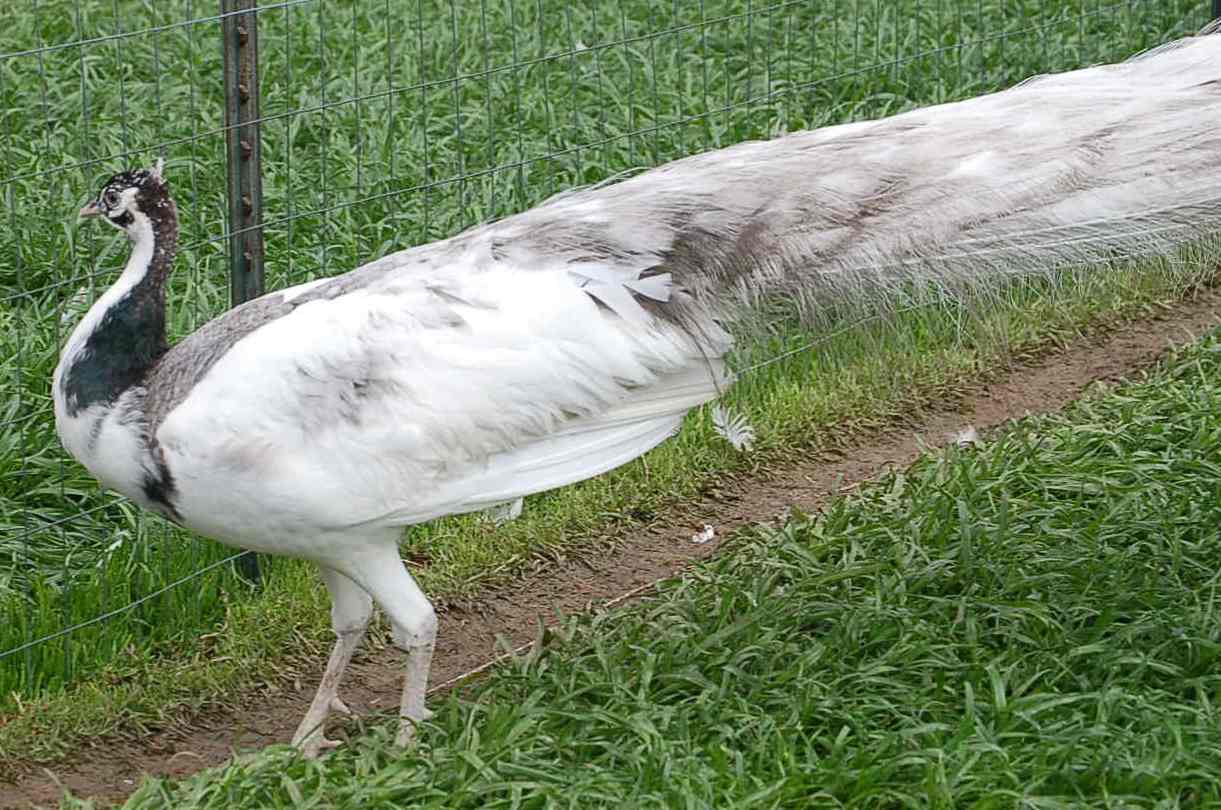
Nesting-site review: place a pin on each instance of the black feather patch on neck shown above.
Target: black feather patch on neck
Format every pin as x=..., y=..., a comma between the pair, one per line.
x=128, y=340
x=130, y=337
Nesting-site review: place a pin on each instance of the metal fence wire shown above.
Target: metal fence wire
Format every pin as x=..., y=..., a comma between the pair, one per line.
x=387, y=123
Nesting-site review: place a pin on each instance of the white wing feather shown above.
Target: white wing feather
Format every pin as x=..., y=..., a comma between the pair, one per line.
x=386, y=406
x=733, y=427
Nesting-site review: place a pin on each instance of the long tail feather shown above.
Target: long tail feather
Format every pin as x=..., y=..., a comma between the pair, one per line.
x=1069, y=169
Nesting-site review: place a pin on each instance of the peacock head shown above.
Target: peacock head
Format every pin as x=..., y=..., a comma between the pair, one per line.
x=132, y=198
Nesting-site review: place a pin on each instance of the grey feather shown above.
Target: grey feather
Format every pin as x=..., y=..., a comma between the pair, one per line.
x=186, y=363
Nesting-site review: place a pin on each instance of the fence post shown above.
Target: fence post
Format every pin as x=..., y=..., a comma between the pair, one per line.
x=239, y=32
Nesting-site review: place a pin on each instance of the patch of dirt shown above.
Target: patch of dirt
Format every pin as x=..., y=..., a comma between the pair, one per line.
x=111, y=769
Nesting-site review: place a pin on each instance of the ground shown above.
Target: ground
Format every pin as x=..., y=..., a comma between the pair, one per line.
x=473, y=635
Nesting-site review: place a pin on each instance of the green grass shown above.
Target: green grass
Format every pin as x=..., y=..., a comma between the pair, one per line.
x=466, y=112
x=1031, y=622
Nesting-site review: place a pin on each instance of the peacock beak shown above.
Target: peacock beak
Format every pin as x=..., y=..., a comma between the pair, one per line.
x=91, y=210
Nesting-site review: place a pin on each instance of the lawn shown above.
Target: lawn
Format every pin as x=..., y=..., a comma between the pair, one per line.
x=1030, y=622
x=389, y=124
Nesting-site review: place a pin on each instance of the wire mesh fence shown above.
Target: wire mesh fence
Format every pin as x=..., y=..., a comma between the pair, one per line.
x=385, y=124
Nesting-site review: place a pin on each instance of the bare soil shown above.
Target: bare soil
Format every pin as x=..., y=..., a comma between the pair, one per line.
x=111, y=769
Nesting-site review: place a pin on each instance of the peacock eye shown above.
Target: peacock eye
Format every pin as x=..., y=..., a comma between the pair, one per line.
x=111, y=198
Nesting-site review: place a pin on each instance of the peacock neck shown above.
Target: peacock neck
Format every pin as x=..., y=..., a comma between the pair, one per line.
x=123, y=335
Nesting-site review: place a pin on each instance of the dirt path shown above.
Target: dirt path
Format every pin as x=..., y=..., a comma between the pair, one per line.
x=111, y=770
